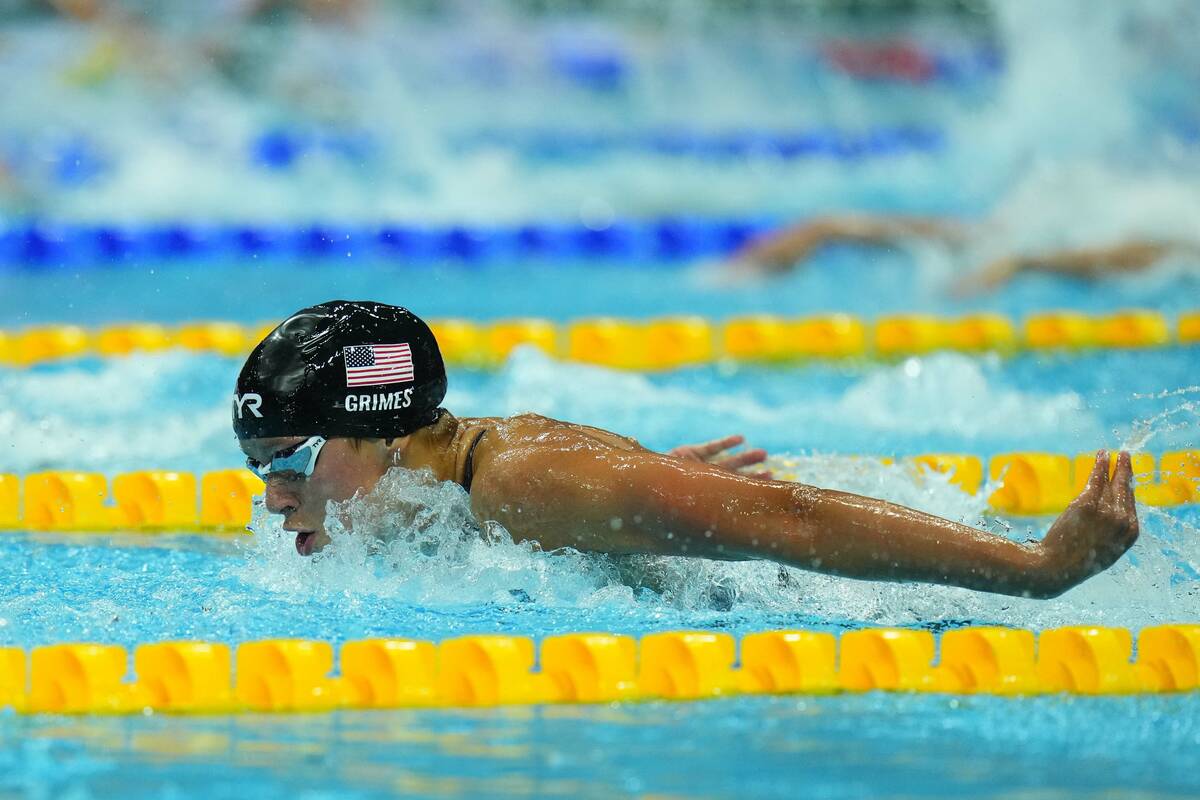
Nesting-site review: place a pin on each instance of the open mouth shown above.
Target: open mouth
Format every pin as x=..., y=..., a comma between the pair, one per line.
x=305, y=542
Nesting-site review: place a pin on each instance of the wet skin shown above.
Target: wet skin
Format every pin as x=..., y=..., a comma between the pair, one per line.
x=343, y=470
x=565, y=485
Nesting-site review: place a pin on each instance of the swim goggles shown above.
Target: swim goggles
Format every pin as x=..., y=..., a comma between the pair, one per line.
x=300, y=459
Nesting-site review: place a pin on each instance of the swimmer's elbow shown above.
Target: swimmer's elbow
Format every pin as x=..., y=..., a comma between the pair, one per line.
x=1048, y=587
x=1035, y=582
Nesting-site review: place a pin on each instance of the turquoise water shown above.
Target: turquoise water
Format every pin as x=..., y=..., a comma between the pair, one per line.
x=408, y=135
x=774, y=747
x=171, y=411
x=247, y=291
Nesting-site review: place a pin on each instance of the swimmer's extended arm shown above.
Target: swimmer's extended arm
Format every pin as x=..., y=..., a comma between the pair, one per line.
x=636, y=502
x=1088, y=262
x=781, y=250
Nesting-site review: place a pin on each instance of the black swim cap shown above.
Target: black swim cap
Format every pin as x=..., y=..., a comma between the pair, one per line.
x=342, y=368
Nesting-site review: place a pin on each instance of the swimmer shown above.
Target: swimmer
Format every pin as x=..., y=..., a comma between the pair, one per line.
x=783, y=250
x=1087, y=263
x=342, y=392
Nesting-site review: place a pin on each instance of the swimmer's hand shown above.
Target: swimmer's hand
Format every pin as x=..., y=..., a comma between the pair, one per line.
x=1095, y=530
x=1089, y=263
x=715, y=453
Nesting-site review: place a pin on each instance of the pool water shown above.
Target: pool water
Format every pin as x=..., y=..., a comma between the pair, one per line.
x=1003, y=154
x=771, y=747
x=170, y=411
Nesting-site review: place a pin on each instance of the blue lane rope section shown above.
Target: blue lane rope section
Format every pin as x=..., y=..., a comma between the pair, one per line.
x=78, y=160
x=736, y=144
x=41, y=245
x=281, y=148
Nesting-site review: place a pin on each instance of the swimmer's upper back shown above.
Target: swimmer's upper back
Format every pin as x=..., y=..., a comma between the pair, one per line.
x=482, y=440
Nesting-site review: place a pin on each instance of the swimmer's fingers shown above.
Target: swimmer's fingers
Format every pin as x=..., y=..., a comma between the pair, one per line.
x=1092, y=495
x=1119, y=508
x=1097, y=481
x=1093, y=492
x=1120, y=489
x=746, y=458
x=718, y=446
x=711, y=453
x=705, y=451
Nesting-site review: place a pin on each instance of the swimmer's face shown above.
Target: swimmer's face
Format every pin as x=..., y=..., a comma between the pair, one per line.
x=342, y=469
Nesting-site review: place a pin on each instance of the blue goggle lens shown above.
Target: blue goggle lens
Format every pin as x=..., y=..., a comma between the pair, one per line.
x=301, y=459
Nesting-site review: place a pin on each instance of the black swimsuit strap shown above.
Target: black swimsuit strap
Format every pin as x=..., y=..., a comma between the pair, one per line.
x=469, y=467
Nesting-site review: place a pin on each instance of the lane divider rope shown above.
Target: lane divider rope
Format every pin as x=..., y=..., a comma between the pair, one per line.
x=489, y=670
x=77, y=159
x=50, y=245
x=666, y=342
x=1025, y=484
x=785, y=145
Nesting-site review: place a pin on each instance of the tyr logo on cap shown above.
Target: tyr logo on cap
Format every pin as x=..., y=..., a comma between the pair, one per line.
x=250, y=401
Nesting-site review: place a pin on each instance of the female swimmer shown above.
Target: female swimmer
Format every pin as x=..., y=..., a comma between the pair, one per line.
x=342, y=392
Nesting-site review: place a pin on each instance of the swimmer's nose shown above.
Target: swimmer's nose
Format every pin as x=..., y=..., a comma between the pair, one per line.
x=279, y=500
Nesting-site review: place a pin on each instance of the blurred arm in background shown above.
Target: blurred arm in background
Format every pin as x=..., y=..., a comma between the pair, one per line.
x=783, y=250
x=1090, y=262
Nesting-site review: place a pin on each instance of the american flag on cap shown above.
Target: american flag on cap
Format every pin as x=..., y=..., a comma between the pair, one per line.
x=378, y=364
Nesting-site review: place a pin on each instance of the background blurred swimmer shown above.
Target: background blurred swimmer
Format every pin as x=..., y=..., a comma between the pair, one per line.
x=1079, y=221
x=358, y=385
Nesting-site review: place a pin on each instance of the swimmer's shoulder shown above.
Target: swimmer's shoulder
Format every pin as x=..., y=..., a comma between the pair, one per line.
x=522, y=430
x=493, y=451
x=519, y=464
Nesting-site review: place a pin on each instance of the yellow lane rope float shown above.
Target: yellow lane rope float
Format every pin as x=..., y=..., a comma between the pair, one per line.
x=1027, y=484
x=662, y=343
x=291, y=675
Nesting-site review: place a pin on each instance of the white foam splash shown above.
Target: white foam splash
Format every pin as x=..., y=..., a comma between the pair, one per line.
x=1050, y=77
x=948, y=392
x=1107, y=206
x=122, y=414
x=1109, y=179
x=945, y=393
x=415, y=539
x=1182, y=417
